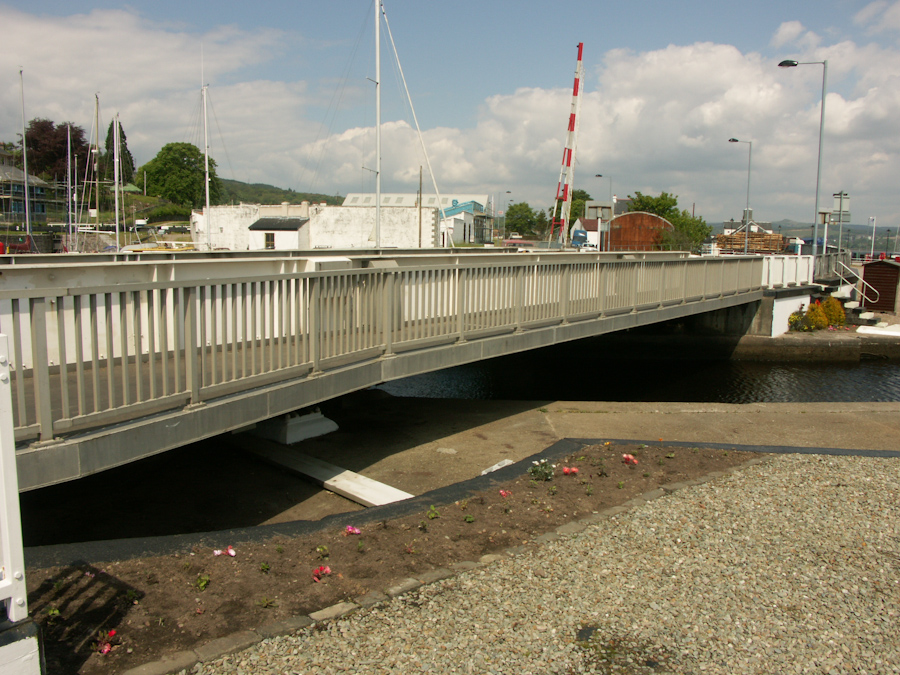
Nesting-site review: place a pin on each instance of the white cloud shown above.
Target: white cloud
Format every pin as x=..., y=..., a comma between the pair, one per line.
x=652, y=121
x=879, y=16
x=787, y=32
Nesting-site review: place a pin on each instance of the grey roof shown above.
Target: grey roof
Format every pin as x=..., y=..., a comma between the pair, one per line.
x=279, y=224
x=10, y=174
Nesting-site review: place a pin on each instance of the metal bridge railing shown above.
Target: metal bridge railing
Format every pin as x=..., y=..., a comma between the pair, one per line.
x=95, y=344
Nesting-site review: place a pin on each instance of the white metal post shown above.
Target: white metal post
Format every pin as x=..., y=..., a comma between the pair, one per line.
x=12, y=573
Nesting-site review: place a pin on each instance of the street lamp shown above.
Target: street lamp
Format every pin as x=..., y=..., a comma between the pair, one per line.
x=824, y=64
x=612, y=207
x=747, y=210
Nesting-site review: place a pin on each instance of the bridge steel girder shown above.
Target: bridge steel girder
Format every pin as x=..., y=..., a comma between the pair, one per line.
x=45, y=464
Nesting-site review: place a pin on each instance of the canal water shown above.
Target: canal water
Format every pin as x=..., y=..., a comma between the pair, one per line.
x=572, y=374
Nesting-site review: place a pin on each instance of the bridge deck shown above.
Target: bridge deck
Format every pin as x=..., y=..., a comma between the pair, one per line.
x=115, y=362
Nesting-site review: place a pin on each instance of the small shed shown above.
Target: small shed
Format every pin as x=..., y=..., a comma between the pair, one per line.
x=884, y=277
x=279, y=232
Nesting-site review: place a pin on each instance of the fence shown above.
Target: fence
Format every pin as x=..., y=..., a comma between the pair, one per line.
x=12, y=558
x=99, y=344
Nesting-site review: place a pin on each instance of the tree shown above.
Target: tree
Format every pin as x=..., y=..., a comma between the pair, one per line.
x=177, y=174
x=579, y=197
x=126, y=160
x=521, y=218
x=689, y=231
x=48, y=148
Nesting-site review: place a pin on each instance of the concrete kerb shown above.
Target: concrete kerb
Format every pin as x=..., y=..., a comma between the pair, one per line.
x=243, y=639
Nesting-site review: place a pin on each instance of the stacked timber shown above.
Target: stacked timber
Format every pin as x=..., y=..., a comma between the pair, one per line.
x=760, y=242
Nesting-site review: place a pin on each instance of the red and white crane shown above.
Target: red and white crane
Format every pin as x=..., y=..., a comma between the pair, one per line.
x=567, y=172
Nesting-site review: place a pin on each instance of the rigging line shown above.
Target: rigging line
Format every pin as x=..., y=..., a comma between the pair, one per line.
x=415, y=118
x=333, y=106
x=221, y=135
x=192, y=130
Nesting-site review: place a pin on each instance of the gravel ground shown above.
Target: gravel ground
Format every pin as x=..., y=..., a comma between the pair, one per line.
x=788, y=566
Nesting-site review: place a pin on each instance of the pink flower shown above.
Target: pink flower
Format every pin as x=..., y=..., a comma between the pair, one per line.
x=352, y=530
x=505, y=493
x=574, y=470
x=629, y=459
x=104, y=649
x=228, y=551
x=319, y=572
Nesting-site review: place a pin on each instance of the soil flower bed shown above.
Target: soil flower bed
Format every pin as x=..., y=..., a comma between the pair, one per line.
x=109, y=616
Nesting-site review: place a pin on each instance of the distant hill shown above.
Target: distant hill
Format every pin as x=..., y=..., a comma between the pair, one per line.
x=234, y=191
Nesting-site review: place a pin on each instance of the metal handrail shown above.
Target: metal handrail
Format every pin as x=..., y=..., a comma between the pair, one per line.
x=860, y=279
x=99, y=344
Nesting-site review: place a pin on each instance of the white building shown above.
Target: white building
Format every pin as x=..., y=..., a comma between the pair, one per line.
x=309, y=226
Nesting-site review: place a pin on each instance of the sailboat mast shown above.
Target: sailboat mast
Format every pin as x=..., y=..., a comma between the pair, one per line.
x=69, y=182
x=378, y=123
x=206, y=213
x=116, y=172
x=25, y=161
x=97, y=162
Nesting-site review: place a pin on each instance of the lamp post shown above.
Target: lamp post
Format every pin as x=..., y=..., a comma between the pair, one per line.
x=747, y=210
x=872, y=250
x=612, y=210
x=824, y=64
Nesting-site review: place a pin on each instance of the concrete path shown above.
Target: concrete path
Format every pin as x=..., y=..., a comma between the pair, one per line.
x=418, y=445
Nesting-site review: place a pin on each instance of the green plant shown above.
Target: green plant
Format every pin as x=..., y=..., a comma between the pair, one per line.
x=542, y=470
x=264, y=567
x=464, y=504
x=359, y=547
x=552, y=490
x=265, y=603
x=410, y=549
x=671, y=455
x=57, y=585
x=279, y=549
x=423, y=525
x=132, y=596
x=834, y=311
x=543, y=410
x=589, y=491
x=52, y=615
x=433, y=513
x=660, y=461
x=646, y=474
x=469, y=518
x=186, y=565
x=202, y=582
x=695, y=450
x=322, y=551
x=620, y=484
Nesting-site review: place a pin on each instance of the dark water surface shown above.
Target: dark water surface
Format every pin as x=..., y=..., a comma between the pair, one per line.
x=573, y=375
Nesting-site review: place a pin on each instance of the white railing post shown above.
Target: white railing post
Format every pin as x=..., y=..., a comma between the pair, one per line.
x=12, y=574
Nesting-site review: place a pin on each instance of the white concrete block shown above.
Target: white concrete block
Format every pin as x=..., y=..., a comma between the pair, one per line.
x=290, y=429
x=21, y=657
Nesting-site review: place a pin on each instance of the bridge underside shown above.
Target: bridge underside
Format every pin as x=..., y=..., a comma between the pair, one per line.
x=44, y=464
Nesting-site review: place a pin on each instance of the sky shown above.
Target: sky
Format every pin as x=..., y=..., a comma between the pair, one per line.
x=666, y=84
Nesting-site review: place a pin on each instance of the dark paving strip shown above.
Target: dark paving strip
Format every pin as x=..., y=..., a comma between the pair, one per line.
x=768, y=449
x=95, y=552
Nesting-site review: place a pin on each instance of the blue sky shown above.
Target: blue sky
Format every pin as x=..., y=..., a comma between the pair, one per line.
x=666, y=84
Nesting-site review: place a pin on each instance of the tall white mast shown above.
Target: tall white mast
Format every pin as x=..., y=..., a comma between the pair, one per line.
x=206, y=213
x=25, y=161
x=378, y=11
x=116, y=172
x=69, y=183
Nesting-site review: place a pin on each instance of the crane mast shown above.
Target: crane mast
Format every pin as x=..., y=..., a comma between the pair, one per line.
x=567, y=171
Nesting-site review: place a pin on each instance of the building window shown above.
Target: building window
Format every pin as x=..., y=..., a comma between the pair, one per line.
x=270, y=240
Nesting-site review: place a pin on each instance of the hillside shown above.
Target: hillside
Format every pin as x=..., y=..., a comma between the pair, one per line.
x=234, y=191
